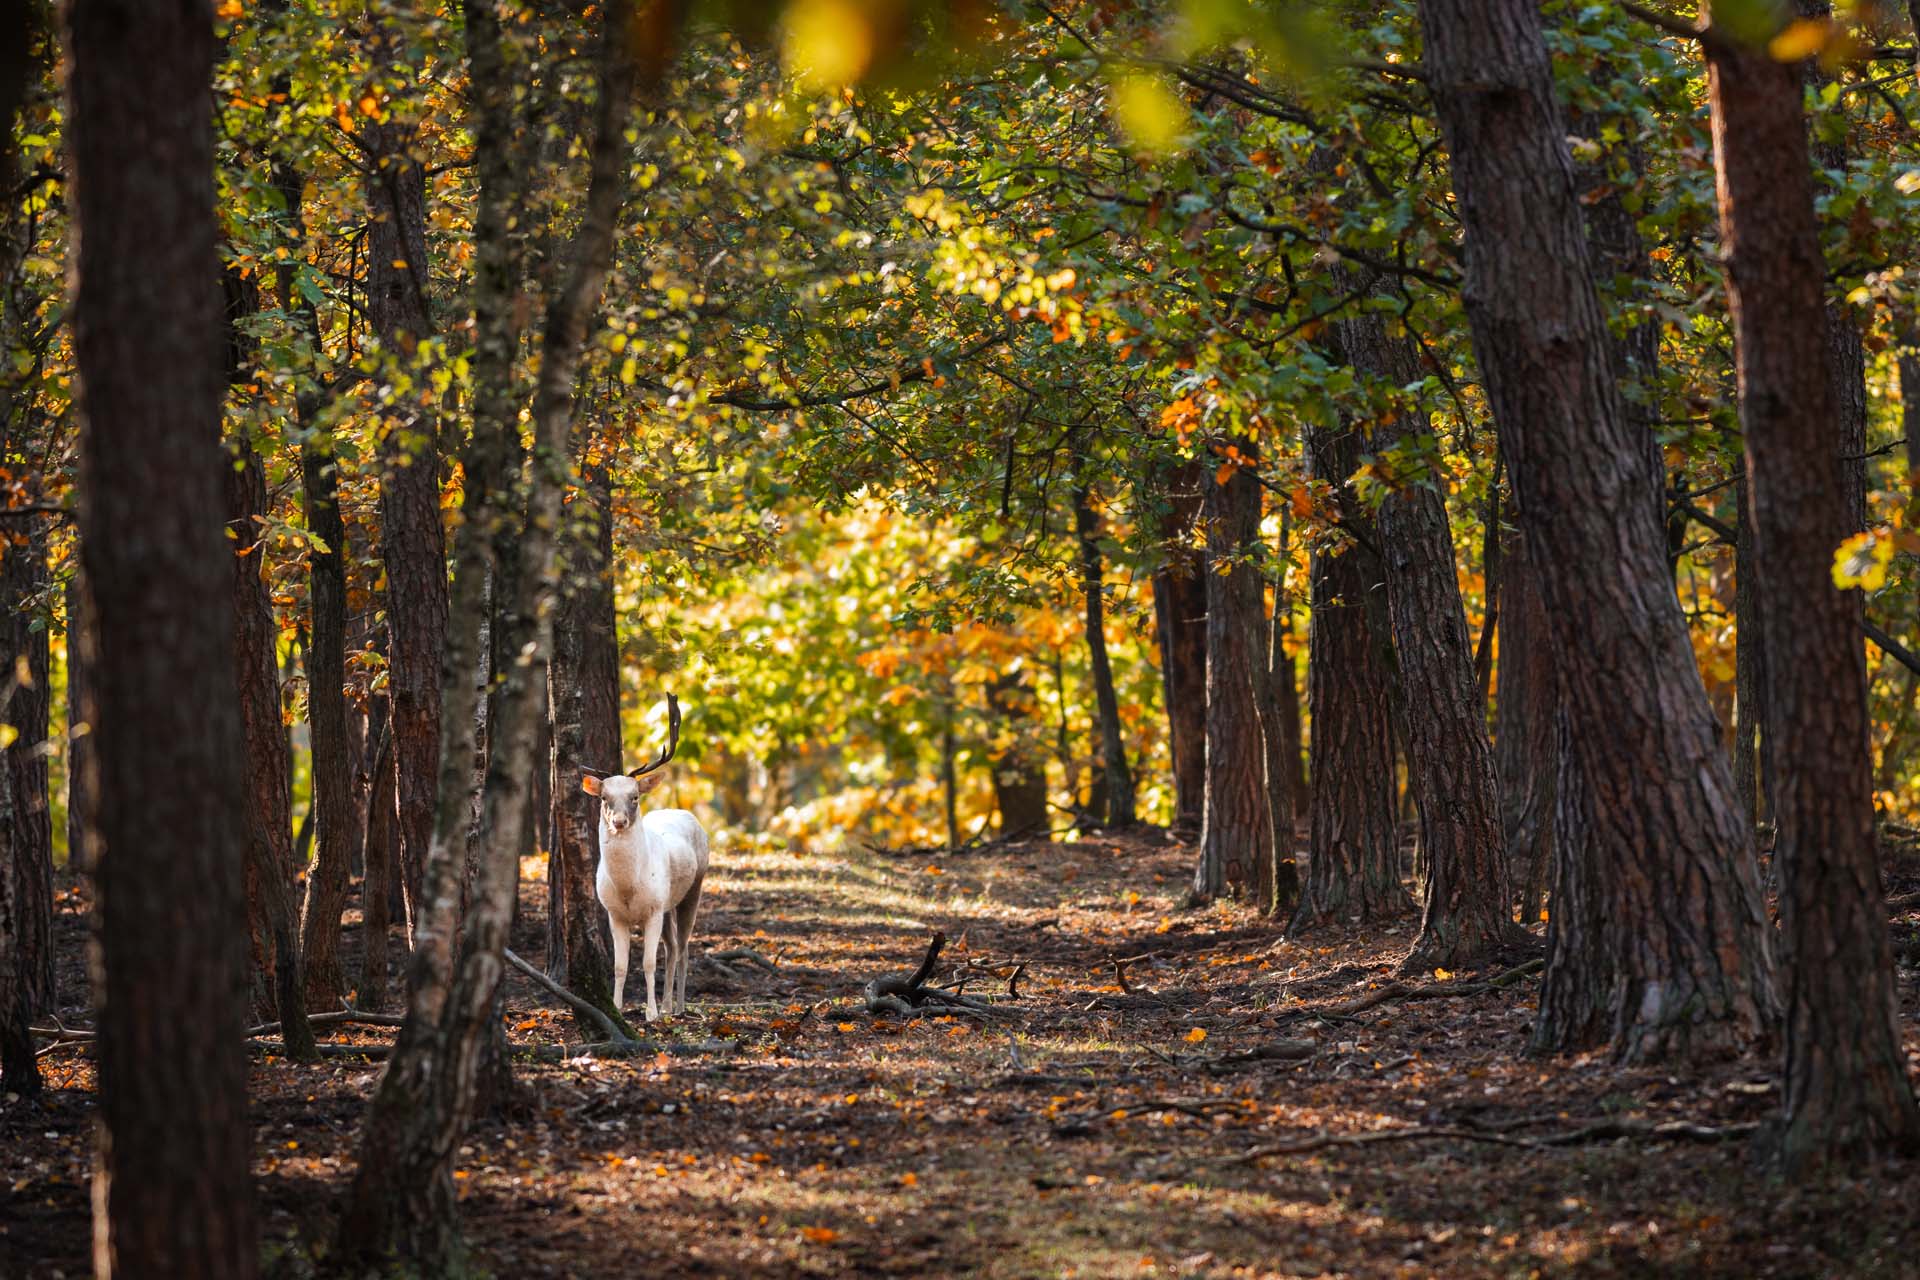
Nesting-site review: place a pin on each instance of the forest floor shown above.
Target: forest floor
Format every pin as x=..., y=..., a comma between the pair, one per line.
x=1129, y=1114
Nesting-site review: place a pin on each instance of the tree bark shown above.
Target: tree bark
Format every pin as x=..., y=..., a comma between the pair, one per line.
x=1236, y=835
x=1694, y=973
x=1353, y=859
x=584, y=689
x=171, y=1189
x=401, y=1201
x=1526, y=746
x=378, y=851
x=80, y=743
x=412, y=541
x=1468, y=907
x=1282, y=671
x=1116, y=789
x=24, y=640
x=269, y=765
x=1752, y=736
x=19, y=1068
x=1846, y=1094
x=1180, y=619
x=1019, y=779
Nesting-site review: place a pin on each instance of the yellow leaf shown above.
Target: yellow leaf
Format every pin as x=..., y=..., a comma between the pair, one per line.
x=1196, y=1035
x=1802, y=38
x=1148, y=111
x=1862, y=561
x=229, y=10
x=1442, y=975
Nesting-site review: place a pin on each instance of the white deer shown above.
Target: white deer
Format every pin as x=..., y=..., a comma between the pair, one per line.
x=651, y=869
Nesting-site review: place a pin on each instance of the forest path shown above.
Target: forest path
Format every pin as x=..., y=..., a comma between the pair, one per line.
x=1095, y=1130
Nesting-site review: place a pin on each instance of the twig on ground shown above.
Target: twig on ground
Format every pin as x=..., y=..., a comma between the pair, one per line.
x=1600, y=1131
x=1425, y=991
x=614, y=1033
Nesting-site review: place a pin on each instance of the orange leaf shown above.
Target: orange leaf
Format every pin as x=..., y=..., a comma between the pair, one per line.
x=820, y=1235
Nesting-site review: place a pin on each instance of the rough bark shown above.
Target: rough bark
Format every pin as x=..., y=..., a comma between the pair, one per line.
x=1236, y=834
x=24, y=639
x=412, y=542
x=378, y=856
x=19, y=1068
x=1114, y=803
x=1752, y=781
x=1019, y=778
x=1694, y=973
x=1353, y=861
x=171, y=1190
x=401, y=1202
x=1468, y=907
x=1526, y=747
x=80, y=743
x=1846, y=1093
x=1180, y=619
x=268, y=831
x=584, y=690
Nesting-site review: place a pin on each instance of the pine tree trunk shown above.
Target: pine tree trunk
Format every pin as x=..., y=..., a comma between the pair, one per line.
x=401, y=1202
x=171, y=1189
x=19, y=1068
x=268, y=761
x=377, y=854
x=79, y=744
x=412, y=542
x=1236, y=835
x=1019, y=780
x=1751, y=734
x=1468, y=906
x=1846, y=1090
x=1526, y=747
x=1116, y=789
x=1687, y=928
x=1353, y=859
x=1286, y=686
x=584, y=685
x=23, y=576
x=1180, y=629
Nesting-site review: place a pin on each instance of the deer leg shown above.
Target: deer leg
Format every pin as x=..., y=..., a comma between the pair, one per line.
x=650, y=958
x=683, y=917
x=622, y=939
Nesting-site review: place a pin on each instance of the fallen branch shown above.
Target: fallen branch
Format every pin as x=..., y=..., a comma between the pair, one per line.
x=370, y=1051
x=614, y=1032
x=352, y=1017
x=1600, y=1131
x=624, y=1049
x=742, y=955
x=1425, y=991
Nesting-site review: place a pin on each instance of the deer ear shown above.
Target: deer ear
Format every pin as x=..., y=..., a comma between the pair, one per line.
x=590, y=784
x=649, y=781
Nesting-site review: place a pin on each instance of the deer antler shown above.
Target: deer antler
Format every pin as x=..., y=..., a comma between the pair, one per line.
x=673, y=740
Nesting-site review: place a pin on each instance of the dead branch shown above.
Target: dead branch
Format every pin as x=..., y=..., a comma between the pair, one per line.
x=369, y=1051
x=1425, y=991
x=352, y=1017
x=615, y=1033
x=742, y=955
x=1600, y=1131
x=625, y=1049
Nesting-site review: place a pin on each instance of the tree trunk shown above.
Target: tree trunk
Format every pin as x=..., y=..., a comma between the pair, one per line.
x=1846, y=1090
x=1468, y=907
x=24, y=639
x=1180, y=619
x=584, y=685
x=1019, y=779
x=1687, y=927
x=1752, y=780
x=19, y=1068
x=1283, y=672
x=1116, y=791
x=1527, y=750
x=1353, y=859
x=1236, y=835
x=269, y=766
x=378, y=851
x=171, y=1189
x=401, y=1201
x=80, y=743
x=412, y=542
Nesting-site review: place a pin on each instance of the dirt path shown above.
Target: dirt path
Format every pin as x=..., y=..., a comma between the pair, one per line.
x=1108, y=1124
